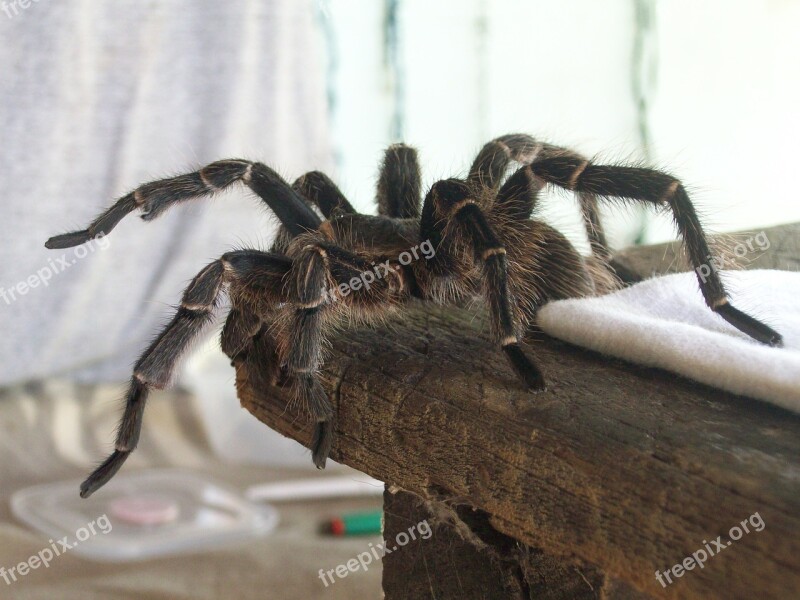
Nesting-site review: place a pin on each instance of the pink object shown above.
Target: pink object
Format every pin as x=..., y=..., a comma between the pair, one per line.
x=144, y=510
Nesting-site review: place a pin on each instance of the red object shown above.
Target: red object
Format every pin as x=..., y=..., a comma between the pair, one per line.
x=337, y=527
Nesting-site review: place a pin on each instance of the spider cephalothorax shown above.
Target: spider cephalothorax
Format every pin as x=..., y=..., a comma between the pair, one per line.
x=329, y=265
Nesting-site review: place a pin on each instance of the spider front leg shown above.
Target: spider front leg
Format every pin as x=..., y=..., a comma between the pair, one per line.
x=319, y=269
x=450, y=208
x=154, y=198
x=283, y=346
x=155, y=367
x=304, y=355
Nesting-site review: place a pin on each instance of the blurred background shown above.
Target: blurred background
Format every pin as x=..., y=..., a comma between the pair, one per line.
x=98, y=98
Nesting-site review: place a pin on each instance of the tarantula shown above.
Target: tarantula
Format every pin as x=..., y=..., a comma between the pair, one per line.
x=479, y=240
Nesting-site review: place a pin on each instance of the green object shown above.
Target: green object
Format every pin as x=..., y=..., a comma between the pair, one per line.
x=357, y=523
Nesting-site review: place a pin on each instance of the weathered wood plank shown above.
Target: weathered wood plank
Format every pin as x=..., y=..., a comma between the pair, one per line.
x=472, y=559
x=619, y=466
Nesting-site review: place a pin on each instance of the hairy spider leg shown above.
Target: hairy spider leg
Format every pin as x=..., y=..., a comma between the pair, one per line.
x=452, y=200
x=156, y=197
x=492, y=163
x=662, y=190
x=317, y=188
x=154, y=368
x=320, y=267
x=399, y=190
x=517, y=198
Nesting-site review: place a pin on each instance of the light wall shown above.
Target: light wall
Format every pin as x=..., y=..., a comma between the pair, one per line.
x=721, y=81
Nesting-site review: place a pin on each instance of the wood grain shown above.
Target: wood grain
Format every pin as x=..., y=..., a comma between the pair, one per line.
x=625, y=468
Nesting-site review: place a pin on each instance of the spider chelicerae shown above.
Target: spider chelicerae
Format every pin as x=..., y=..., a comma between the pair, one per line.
x=476, y=236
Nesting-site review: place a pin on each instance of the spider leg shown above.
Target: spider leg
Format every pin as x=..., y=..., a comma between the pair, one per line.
x=319, y=268
x=304, y=354
x=432, y=228
x=662, y=190
x=260, y=354
x=156, y=197
x=492, y=161
x=399, y=184
x=452, y=199
x=517, y=197
x=154, y=368
x=318, y=189
x=242, y=325
x=494, y=158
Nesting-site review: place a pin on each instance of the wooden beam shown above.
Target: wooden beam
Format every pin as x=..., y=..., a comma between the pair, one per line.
x=625, y=468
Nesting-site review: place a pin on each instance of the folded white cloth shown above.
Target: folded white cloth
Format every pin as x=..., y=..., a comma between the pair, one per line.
x=663, y=322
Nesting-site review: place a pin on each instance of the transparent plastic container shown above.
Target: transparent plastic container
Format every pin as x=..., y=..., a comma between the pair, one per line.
x=142, y=515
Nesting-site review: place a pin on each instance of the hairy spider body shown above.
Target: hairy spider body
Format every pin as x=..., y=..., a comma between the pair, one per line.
x=471, y=237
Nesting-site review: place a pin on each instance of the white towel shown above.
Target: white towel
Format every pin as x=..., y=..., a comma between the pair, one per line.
x=663, y=322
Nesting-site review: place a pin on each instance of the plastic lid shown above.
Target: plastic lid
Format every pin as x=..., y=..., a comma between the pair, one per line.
x=143, y=514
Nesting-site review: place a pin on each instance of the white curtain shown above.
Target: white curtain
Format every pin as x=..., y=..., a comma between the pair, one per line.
x=96, y=98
